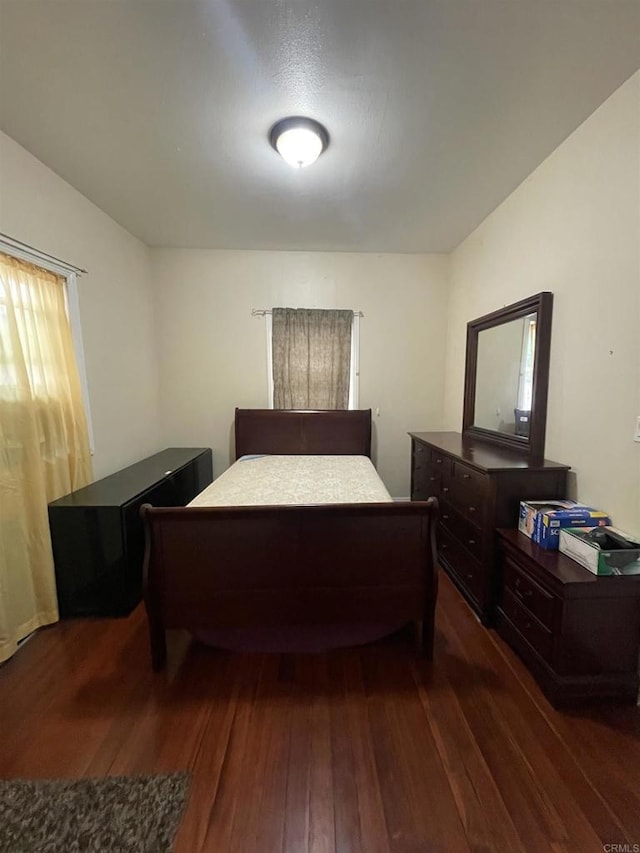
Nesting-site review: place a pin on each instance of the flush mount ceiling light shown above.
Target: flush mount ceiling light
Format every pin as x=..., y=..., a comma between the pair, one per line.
x=298, y=140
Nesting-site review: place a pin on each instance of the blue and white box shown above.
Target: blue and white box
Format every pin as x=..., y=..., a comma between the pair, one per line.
x=542, y=521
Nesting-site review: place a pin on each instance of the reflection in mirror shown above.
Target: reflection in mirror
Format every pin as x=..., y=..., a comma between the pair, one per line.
x=504, y=376
x=507, y=374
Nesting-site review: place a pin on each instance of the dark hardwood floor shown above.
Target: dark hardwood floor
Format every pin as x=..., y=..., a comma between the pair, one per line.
x=366, y=749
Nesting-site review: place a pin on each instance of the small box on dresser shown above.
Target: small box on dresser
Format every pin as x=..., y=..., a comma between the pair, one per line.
x=578, y=633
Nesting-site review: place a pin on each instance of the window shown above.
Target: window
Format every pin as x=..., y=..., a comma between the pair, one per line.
x=44, y=442
x=313, y=358
x=525, y=384
x=31, y=317
x=40, y=370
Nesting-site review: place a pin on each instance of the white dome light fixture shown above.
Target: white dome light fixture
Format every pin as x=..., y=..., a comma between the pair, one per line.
x=298, y=140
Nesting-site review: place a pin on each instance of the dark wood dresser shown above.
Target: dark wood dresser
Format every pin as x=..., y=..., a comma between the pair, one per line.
x=98, y=536
x=578, y=633
x=479, y=486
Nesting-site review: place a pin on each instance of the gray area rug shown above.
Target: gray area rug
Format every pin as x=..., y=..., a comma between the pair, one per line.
x=115, y=814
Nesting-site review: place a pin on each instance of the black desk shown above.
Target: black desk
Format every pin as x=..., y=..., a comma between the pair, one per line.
x=98, y=536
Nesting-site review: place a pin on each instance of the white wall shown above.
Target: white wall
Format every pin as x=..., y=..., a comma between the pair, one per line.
x=573, y=227
x=213, y=354
x=116, y=301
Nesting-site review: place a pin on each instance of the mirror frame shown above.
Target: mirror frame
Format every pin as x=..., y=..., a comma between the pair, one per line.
x=542, y=305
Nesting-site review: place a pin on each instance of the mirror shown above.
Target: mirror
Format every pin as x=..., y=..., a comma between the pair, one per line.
x=507, y=373
x=504, y=376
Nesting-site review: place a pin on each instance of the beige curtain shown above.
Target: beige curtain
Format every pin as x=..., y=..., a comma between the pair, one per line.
x=311, y=358
x=44, y=446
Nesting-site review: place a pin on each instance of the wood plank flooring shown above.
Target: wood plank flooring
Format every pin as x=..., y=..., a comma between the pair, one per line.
x=369, y=750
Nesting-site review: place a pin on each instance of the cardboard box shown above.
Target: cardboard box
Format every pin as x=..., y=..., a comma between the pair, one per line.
x=542, y=521
x=574, y=543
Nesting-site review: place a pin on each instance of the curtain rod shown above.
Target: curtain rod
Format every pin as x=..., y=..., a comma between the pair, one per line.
x=260, y=312
x=17, y=245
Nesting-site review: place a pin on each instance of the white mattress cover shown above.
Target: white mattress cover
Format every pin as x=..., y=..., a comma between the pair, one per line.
x=277, y=480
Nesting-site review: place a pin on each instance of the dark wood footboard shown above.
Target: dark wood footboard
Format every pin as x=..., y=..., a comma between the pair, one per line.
x=289, y=565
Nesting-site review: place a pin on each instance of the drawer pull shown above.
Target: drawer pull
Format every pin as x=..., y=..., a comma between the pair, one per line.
x=527, y=593
x=438, y=461
x=472, y=541
x=470, y=576
x=419, y=449
x=466, y=476
x=445, y=488
x=445, y=517
x=432, y=479
x=472, y=509
x=522, y=595
x=444, y=546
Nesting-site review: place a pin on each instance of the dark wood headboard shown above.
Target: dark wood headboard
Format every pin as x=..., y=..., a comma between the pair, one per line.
x=291, y=431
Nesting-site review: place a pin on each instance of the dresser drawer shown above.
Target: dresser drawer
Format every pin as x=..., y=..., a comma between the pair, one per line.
x=425, y=485
x=469, y=571
x=469, y=503
x=529, y=593
x=421, y=453
x=534, y=632
x=425, y=482
x=470, y=480
x=465, y=532
x=440, y=462
x=437, y=457
x=467, y=491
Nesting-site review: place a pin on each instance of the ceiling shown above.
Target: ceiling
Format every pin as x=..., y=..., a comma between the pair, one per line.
x=158, y=110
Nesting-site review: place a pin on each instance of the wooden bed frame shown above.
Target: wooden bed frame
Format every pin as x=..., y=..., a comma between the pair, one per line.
x=211, y=567
x=287, y=431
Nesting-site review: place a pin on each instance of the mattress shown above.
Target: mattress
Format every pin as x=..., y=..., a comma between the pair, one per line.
x=277, y=480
